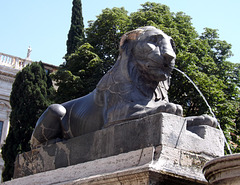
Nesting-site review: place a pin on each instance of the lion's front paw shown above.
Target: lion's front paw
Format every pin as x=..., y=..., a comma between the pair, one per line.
x=171, y=108
x=174, y=109
x=201, y=120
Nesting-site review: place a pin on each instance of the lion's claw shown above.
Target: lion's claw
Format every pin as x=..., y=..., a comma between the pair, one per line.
x=201, y=120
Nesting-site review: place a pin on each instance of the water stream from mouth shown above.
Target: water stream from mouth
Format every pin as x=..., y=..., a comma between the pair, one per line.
x=210, y=109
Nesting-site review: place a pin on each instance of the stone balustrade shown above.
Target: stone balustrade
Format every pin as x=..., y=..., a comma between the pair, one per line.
x=13, y=62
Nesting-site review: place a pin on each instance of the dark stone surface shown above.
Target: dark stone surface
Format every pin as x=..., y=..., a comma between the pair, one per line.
x=154, y=130
x=115, y=139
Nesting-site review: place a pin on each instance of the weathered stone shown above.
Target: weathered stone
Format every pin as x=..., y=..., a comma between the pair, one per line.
x=152, y=165
x=97, y=173
x=175, y=148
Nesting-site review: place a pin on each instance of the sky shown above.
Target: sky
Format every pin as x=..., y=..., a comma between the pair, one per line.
x=44, y=24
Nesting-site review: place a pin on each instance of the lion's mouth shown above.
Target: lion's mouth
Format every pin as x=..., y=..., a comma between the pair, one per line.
x=166, y=65
x=163, y=64
x=169, y=66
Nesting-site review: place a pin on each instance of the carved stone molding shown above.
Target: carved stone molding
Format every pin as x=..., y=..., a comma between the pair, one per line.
x=7, y=78
x=223, y=170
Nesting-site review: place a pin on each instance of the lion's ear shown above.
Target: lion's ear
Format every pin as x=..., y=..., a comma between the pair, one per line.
x=122, y=45
x=122, y=41
x=127, y=40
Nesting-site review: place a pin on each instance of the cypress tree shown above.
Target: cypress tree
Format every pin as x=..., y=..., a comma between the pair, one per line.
x=28, y=99
x=76, y=32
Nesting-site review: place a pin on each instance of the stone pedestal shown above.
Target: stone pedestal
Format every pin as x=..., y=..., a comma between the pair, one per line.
x=157, y=149
x=223, y=170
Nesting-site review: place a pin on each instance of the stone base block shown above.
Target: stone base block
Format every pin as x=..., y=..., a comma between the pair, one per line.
x=152, y=165
x=157, y=144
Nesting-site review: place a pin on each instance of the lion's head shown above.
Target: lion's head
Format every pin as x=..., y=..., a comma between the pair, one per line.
x=153, y=50
x=142, y=72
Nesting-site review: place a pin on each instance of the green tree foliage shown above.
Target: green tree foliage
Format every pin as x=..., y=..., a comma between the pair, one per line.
x=203, y=58
x=76, y=32
x=29, y=98
x=79, y=75
x=104, y=34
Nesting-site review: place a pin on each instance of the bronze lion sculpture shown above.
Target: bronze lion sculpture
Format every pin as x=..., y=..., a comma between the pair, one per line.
x=136, y=86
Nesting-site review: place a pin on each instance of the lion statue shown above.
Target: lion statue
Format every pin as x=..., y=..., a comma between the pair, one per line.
x=136, y=86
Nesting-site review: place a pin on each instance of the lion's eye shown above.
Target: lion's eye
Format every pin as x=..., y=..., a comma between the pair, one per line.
x=153, y=39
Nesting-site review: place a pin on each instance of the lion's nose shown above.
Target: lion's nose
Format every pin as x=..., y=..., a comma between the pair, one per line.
x=168, y=57
x=167, y=50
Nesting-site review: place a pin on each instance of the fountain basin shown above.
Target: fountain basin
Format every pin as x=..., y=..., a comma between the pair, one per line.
x=223, y=170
